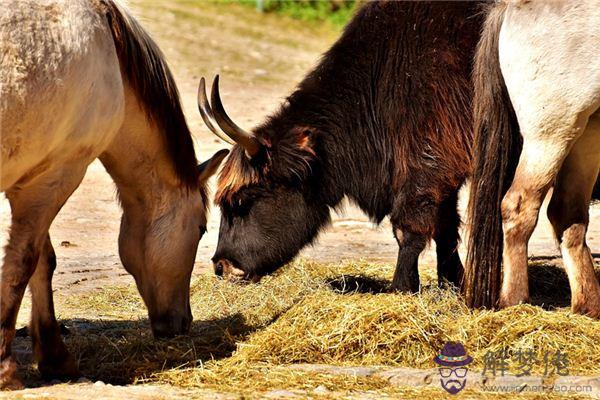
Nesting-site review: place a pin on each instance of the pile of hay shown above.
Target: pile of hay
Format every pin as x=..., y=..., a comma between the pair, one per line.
x=244, y=337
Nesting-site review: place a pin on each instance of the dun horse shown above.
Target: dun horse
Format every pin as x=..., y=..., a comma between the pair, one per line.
x=79, y=80
x=537, y=124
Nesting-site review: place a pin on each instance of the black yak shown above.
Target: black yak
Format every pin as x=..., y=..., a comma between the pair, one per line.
x=384, y=119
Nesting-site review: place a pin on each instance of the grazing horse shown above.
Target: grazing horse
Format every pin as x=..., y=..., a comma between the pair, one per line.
x=80, y=80
x=537, y=124
x=385, y=119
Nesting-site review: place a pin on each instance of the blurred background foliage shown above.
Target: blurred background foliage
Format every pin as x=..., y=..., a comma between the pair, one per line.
x=335, y=12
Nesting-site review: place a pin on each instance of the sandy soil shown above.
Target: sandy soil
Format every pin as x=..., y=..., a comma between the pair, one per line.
x=260, y=59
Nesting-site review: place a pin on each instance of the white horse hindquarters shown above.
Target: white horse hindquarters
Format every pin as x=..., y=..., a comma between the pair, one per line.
x=551, y=67
x=61, y=88
x=553, y=78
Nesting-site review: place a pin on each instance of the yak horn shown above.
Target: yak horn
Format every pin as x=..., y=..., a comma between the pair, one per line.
x=241, y=137
x=207, y=113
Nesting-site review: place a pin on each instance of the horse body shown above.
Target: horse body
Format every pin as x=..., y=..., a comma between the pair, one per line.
x=552, y=77
x=80, y=80
x=47, y=60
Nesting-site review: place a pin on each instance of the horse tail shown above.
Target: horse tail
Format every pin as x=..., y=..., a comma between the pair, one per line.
x=497, y=149
x=145, y=70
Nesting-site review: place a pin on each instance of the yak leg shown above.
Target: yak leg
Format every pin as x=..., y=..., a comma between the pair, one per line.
x=406, y=276
x=33, y=209
x=50, y=352
x=569, y=213
x=413, y=222
x=447, y=238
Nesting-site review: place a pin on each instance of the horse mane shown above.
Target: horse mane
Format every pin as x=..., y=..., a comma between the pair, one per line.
x=145, y=69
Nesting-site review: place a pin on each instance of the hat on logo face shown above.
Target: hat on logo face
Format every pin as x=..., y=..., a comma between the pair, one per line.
x=453, y=355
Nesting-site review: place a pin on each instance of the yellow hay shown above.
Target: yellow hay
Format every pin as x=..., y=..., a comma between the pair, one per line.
x=245, y=337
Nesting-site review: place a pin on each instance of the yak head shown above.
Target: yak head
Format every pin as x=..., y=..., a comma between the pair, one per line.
x=268, y=192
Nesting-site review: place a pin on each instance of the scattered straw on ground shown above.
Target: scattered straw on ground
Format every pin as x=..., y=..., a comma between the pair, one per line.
x=243, y=337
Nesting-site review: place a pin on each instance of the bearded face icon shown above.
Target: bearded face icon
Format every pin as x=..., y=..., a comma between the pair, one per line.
x=453, y=361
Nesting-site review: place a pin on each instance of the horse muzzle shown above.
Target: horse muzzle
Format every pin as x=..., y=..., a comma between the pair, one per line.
x=169, y=326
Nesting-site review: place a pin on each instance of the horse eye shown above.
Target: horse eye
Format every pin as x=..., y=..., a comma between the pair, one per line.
x=203, y=230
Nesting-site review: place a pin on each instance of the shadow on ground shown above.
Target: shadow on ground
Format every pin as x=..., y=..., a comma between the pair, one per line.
x=349, y=284
x=122, y=352
x=548, y=283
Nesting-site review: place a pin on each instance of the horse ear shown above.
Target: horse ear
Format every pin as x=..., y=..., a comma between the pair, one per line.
x=210, y=166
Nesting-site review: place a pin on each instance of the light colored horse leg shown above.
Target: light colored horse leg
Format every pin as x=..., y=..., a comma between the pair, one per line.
x=538, y=166
x=50, y=352
x=34, y=206
x=553, y=87
x=569, y=213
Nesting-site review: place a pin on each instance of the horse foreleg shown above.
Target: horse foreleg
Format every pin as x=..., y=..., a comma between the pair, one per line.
x=569, y=214
x=20, y=259
x=33, y=207
x=50, y=352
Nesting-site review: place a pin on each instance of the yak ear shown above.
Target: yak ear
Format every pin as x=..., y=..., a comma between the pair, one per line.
x=210, y=166
x=305, y=138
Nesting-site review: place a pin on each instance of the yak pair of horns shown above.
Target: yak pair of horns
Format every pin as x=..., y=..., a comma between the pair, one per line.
x=233, y=132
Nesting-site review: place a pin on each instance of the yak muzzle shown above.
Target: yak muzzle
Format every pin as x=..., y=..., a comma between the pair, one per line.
x=227, y=270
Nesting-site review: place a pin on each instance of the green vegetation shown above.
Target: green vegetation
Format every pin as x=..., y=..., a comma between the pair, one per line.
x=335, y=12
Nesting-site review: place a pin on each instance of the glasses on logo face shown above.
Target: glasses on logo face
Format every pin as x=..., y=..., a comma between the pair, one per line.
x=459, y=372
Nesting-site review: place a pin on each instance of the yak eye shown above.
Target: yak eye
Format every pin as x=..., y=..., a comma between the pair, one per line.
x=241, y=205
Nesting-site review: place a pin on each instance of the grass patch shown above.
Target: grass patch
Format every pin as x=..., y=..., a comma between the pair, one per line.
x=334, y=12
x=245, y=337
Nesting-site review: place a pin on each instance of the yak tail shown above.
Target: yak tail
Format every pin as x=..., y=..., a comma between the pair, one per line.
x=497, y=148
x=146, y=71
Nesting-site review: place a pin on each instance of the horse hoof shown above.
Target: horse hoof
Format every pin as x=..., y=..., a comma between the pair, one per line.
x=591, y=308
x=505, y=302
x=8, y=376
x=64, y=369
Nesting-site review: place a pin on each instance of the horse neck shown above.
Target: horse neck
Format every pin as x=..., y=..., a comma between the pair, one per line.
x=140, y=165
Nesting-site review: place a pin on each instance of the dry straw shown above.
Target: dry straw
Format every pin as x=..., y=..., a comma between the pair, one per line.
x=244, y=337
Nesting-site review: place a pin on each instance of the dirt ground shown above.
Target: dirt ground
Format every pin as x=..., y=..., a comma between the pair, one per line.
x=260, y=59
